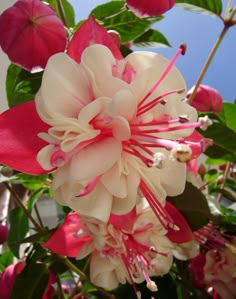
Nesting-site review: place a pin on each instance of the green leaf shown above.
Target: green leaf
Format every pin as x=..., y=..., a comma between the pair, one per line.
x=68, y=11
x=151, y=38
x=128, y=25
x=211, y=7
x=107, y=9
x=21, y=86
x=224, y=146
x=19, y=226
x=6, y=258
x=193, y=206
x=31, y=282
x=228, y=115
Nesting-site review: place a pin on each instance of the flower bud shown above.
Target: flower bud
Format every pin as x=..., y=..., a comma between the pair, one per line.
x=149, y=8
x=3, y=233
x=206, y=99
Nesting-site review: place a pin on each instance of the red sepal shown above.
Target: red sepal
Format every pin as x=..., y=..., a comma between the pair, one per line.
x=90, y=32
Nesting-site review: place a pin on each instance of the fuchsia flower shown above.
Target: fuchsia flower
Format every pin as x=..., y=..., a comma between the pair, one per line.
x=9, y=276
x=111, y=127
x=30, y=32
x=216, y=272
x=130, y=247
x=149, y=8
x=207, y=99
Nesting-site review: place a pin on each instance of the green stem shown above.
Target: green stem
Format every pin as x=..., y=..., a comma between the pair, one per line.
x=21, y=205
x=208, y=61
x=83, y=276
x=227, y=10
x=61, y=12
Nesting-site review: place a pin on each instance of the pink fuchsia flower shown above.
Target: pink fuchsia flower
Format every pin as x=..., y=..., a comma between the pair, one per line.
x=9, y=276
x=149, y=8
x=30, y=32
x=130, y=247
x=3, y=233
x=109, y=136
x=207, y=99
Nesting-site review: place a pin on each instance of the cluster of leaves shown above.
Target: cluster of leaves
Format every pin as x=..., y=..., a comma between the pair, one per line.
x=22, y=86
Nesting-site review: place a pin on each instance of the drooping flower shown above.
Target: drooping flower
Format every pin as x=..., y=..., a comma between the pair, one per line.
x=30, y=32
x=130, y=247
x=8, y=278
x=149, y=8
x=112, y=126
x=206, y=99
x=216, y=272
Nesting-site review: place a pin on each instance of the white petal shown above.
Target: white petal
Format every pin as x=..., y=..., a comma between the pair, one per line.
x=95, y=159
x=102, y=271
x=65, y=89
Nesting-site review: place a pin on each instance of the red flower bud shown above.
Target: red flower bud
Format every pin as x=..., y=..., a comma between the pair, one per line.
x=149, y=8
x=3, y=233
x=30, y=32
x=207, y=99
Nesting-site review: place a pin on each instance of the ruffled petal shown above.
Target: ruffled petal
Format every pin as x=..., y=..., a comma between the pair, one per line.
x=102, y=271
x=94, y=159
x=64, y=91
x=90, y=32
x=19, y=143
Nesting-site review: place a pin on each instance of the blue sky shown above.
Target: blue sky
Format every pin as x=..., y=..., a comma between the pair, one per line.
x=199, y=32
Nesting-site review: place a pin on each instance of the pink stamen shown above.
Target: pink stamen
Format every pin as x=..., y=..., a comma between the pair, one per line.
x=181, y=50
x=89, y=187
x=164, y=218
x=153, y=103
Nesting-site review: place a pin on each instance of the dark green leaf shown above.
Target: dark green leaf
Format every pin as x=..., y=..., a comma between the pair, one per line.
x=31, y=282
x=201, y=6
x=38, y=237
x=6, y=258
x=19, y=226
x=151, y=38
x=229, y=214
x=21, y=86
x=107, y=10
x=193, y=206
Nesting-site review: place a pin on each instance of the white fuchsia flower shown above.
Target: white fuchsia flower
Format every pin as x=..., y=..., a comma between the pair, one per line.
x=111, y=127
x=131, y=247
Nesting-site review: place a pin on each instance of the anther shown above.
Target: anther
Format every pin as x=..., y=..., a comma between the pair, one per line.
x=183, y=119
x=181, y=153
x=151, y=285
x=183, y=48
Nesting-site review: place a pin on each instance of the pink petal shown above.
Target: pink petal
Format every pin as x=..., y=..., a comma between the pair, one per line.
x=184, y=234
x=30, y=32
x=19, y=143
x=90, y=33
x=125, y=221
x=147, y=8
x=66, y=240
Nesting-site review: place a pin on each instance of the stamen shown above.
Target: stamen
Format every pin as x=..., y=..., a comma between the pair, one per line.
x=181, y=50
x=205, y=122
x=162, y=215
x=181, y=153
x=151, y=285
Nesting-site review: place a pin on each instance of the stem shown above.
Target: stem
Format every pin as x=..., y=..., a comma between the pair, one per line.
x=38, y=215
x=60, y=290
x=207, y=63
x=71, y=266
x=21, y=205
x=227, y=10
x=227, y=169
x=61, y=12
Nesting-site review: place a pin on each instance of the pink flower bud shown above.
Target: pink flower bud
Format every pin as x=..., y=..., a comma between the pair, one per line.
x=3, y=233
x=207, y=99
x=149, y=8
x=30, y=32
